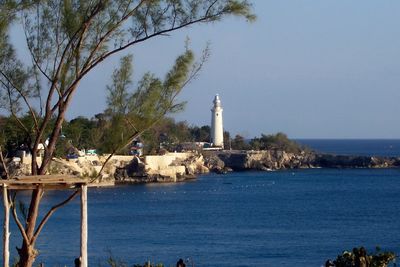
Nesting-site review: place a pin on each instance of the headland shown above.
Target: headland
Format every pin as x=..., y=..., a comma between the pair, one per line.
x=176, y=167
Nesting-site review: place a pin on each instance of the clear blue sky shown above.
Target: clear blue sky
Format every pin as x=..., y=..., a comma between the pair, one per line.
x=309, y=68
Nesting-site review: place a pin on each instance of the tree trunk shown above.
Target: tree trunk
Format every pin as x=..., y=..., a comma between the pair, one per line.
x=27, y=252
x=27, y=255
x=48, y=155
x=34, y=162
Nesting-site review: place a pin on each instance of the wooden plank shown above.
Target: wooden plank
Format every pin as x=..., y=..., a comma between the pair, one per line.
x=59, y=186
x=9, y=182
x=42, y=184
x=46, y=181
x=46, y=176
x=46, y=187
x=49, y=180
x=84, y=227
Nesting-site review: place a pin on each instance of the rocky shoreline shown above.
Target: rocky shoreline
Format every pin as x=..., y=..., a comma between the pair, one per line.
x=189, y=165
x=177, y=167
x=269, y=160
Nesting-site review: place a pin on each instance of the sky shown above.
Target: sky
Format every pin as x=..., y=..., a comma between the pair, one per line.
x=308, y=68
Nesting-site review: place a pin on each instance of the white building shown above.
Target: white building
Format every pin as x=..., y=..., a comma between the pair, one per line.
x=217, y=129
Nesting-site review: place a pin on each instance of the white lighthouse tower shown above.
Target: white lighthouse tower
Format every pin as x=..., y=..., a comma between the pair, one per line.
x=217, y=129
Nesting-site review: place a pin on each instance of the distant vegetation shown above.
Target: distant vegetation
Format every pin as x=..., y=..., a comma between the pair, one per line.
x=355, y=257
x=278, y=141
x=360, y=257
x=84, y=133
x=65, y=42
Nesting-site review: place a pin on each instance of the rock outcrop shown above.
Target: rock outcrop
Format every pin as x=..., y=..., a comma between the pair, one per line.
x=266, y=160
x=340, y=161
x=258, y=160
x=171, y=167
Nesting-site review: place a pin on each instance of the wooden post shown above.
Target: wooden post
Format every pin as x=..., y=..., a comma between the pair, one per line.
x=6, y=229
x=84, y=226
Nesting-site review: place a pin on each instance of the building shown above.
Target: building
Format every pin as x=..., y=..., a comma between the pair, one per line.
x=136, y=148
x=217, y=129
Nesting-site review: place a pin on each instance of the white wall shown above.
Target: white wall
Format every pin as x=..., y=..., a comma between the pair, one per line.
x=163, y=161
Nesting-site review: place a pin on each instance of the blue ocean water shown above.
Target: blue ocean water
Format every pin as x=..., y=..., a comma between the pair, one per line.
x=282, y=218
x=361, y=147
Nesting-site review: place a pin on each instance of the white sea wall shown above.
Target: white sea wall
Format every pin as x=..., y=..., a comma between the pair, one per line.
x=171, y=167
x=161, y=162
x=173, y=172
x=166, y=165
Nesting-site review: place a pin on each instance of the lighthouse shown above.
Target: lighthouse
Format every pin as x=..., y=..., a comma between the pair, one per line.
x=217, y=129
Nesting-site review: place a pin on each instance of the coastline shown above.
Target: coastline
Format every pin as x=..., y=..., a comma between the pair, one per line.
x=177, y=167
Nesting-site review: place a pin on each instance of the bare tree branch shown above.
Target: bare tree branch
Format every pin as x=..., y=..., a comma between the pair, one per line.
x=33, y=56
x=13, y=114
x=110, y=31
x=49, y=213
x=18, y=222
x=23, y=97
x=49, y=111
x=4, y=164
x=33, y=211
x=112, y=52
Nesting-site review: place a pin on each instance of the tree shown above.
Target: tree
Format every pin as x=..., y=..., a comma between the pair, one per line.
x=227, y=140
x=201, y=134
x=79, y=131
x=131, y=112
x=278, y=141
x=67, y=40
x=239, y=143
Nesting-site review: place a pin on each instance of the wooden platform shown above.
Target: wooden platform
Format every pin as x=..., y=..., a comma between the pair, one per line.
x=49, y=182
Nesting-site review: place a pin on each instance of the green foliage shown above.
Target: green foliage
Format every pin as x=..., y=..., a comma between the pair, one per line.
x=80, y=132
x=227, y=140
x=201, y=134
x=62, y=147
x=104, y=132
x=278, y=141
x=66, y=40
x=11, y=135
x=109, y=131
x=167, y=134
x=239, y=143
x=131, y=112
x=360, y=255
x=15, y=82
x=118, y=95
x=113, y=262
x=8, y=10
x=237, y=8
x=116, y=263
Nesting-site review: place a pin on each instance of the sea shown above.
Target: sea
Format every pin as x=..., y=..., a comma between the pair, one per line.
x=280, y=218
x=359, y=147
